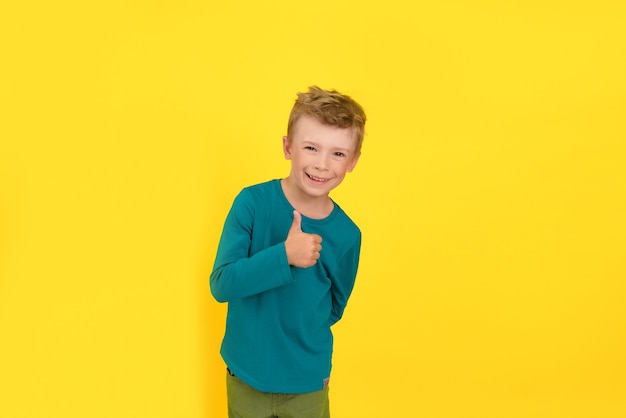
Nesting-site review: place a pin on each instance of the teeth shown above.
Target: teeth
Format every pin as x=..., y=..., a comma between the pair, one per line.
x=316, y=178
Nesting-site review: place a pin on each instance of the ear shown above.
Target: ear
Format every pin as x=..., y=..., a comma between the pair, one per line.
x=286, y=148
x=353, y=162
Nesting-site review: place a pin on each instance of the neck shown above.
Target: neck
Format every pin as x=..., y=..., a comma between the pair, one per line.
x=311, y=207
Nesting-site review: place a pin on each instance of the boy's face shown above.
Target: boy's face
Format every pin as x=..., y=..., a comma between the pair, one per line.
x=320, y=155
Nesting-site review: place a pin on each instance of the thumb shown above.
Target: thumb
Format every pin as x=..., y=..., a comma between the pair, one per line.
x=296, y=225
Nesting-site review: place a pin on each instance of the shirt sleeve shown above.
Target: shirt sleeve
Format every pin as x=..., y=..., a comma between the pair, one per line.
x=342, y=285
x=237, y=274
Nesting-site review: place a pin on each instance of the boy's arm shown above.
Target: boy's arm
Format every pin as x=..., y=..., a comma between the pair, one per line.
x=342, y=286
x=236, y=274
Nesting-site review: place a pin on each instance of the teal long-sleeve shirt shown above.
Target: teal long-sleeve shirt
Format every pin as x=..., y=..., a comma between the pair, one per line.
x=278, y=336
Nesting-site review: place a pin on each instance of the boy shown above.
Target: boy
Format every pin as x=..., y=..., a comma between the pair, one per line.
x=286, y=265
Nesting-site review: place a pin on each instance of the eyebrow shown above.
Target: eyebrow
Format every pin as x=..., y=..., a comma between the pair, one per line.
x=346, y=150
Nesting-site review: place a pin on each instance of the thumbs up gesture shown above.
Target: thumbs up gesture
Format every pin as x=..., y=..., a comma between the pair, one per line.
x=302, y=249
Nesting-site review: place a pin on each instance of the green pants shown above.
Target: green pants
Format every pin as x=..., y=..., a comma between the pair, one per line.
x=246, y=402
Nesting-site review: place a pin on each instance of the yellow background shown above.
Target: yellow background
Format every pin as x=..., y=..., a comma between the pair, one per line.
x=491, y=195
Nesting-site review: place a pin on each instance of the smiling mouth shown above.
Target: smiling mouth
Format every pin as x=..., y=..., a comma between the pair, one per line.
x=317, y=179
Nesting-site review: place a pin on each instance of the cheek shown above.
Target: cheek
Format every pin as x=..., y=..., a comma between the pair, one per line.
x=351, y=164
x=343, y=167
x=297, y=159
x=299, y=162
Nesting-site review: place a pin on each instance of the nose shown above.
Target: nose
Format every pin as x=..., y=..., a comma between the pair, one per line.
x=321, y=163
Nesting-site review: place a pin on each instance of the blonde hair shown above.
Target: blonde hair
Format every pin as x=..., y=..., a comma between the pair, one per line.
x=330, y=108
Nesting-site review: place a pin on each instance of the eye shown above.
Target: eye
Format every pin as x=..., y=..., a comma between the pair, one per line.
x=309, y=147
x=340, y=154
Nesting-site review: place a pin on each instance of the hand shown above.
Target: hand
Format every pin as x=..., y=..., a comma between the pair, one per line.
x=302, y=249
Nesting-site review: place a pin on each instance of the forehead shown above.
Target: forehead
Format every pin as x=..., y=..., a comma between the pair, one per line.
x=310, y=129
